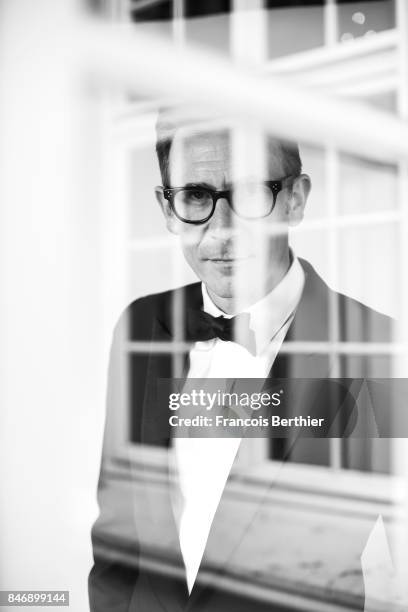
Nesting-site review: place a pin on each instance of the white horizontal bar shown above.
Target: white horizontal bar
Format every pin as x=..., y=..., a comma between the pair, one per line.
x=344, y=348
x=340, y=222
x=157, y=347
x=119, y=55
x=342, y=52
x=347, y=221
x=361, y=68
x=290, y=348
x=336, y=75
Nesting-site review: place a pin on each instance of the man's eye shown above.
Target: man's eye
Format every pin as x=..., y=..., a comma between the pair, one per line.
x=196, y=196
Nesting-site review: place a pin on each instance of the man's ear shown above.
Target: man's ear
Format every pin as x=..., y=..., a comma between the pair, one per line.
x=171, y=221
x=297, y=201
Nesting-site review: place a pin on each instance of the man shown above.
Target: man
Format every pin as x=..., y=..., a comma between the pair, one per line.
x=253, y=294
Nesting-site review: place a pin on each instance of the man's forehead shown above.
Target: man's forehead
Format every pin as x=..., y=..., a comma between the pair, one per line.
x=202, y=148
x=215, y=157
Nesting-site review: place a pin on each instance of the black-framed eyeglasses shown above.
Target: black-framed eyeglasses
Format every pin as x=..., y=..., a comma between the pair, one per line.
x=250, y=200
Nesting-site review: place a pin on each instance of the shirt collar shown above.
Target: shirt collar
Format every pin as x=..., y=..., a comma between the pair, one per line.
x=268, y=315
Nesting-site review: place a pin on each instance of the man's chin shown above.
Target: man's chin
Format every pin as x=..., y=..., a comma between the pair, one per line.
x=224, y=289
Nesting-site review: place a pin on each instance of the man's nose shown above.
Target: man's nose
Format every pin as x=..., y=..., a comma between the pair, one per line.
x=223, y=215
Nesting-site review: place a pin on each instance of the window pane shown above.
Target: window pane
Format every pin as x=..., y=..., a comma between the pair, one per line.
x=357, y=19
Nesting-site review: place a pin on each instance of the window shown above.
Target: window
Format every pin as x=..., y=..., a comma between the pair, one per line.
x=346, y=214
x=349, y=228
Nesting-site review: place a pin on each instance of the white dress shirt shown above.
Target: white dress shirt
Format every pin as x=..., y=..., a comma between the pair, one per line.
x=203, y=464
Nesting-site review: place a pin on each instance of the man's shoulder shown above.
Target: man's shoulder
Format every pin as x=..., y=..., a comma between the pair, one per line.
x=361, y=323
x=357, y=322
x=140, y=315
x=155, y=302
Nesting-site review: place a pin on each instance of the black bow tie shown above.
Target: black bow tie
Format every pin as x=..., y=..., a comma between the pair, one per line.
x=202, y=326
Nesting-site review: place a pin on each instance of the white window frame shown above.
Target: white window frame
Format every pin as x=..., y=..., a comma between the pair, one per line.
x=385, y=56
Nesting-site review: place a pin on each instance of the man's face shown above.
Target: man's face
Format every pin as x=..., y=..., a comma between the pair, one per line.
x=228, y=253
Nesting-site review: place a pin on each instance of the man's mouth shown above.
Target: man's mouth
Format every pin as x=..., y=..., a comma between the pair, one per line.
x=226, y=260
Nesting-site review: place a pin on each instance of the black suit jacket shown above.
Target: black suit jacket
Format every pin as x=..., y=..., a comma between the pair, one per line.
x=128, y=584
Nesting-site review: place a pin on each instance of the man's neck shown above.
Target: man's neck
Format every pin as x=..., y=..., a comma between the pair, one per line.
x=252, y=292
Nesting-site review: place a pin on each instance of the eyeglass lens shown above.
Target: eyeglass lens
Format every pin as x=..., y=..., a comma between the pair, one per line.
x=251, y=201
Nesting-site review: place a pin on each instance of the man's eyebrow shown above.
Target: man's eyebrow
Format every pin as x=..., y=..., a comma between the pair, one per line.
x=202, y=185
